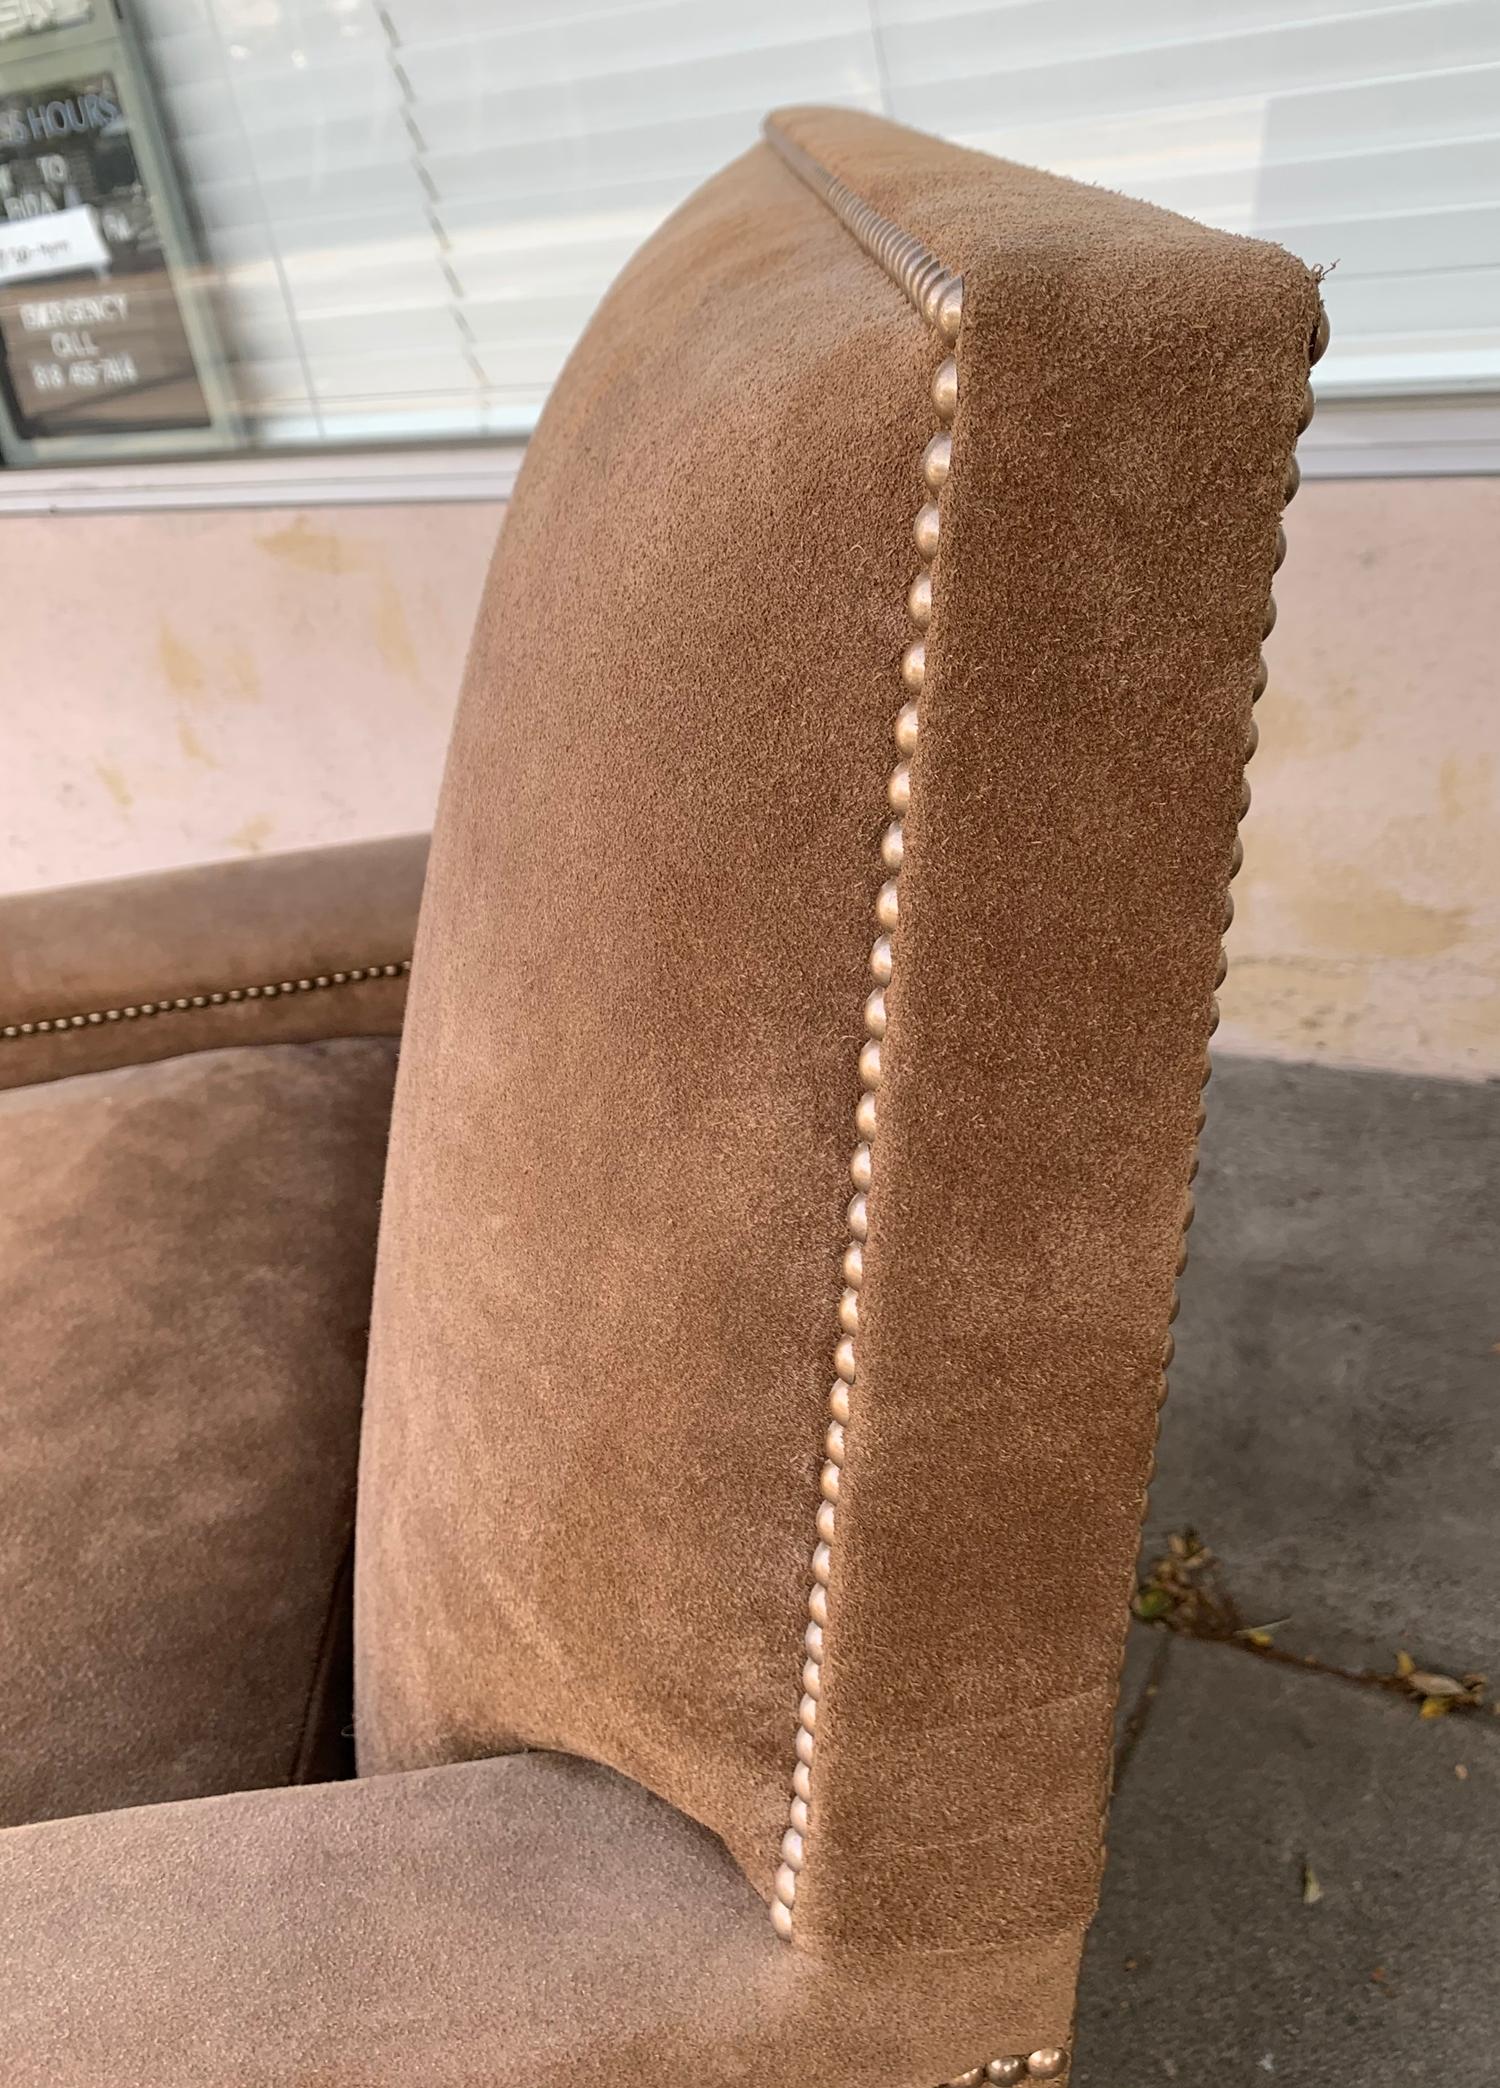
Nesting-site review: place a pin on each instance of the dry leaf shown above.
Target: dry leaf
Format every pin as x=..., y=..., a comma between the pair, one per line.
x=1405, y=1665
x=1435, y=1685
x=1312, y=1891
x=1435, y=1707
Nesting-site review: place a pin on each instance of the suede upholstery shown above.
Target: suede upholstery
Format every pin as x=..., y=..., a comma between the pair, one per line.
x=526, y=1923
x=609, y=1272
x=84, y=950
x=186, y=1252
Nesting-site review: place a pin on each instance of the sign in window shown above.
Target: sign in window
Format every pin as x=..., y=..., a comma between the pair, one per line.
x=91, y=330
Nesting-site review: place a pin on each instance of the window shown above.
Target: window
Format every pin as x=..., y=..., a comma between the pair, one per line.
x=346, y=223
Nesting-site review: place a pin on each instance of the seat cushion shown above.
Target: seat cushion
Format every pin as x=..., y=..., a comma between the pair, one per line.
x=186, y=1254
x=531, y=1922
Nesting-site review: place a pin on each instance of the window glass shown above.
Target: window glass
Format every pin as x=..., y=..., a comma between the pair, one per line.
x=281, y=223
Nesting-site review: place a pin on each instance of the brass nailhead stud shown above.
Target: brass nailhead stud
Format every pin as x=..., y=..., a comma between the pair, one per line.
x=937, y=461
x=945, y=388
x=1047, y=2064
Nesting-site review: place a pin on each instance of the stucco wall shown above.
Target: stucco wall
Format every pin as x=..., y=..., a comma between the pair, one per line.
x=1367, y=924
x=185, y=686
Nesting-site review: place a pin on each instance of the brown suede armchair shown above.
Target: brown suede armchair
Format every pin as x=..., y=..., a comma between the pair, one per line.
x=787, y=1184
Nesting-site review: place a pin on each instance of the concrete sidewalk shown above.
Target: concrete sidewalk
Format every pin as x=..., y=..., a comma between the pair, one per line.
x=1304, y=1874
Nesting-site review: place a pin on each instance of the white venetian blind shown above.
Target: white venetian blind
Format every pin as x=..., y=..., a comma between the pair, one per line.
x=412, y=207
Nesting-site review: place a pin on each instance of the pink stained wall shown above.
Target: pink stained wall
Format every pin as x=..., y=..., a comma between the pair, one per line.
x=180, y=687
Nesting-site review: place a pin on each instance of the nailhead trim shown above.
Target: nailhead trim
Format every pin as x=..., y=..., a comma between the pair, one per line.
x=937, y=294
x=1048, y=2064
x=1316, y=348
x=359, y=973
x=930, y=288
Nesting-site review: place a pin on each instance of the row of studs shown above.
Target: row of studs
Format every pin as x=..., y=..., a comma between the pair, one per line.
x=916, y=271
x=1050, y=2064
x=136, y=1010
x=938, y=295
x=936, y=460
x=1316, y=347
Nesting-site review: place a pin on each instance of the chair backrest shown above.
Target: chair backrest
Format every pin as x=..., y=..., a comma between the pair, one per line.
x=801, y=1077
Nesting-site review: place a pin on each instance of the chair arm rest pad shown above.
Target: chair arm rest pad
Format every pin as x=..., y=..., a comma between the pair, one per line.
x=270, y=949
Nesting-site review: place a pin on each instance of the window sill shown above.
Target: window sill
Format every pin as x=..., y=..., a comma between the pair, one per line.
x=1418, y=437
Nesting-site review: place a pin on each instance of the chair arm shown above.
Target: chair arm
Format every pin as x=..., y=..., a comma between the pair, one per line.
x=272, y=949
x=531, y=1922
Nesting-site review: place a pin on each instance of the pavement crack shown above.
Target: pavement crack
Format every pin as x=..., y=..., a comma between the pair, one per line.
x=1184, y=1592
